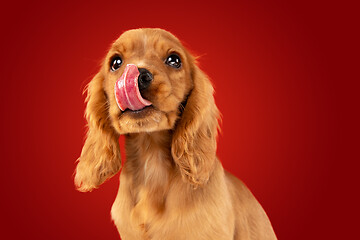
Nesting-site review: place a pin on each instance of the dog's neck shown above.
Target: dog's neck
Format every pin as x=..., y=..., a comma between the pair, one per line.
x=149, y=159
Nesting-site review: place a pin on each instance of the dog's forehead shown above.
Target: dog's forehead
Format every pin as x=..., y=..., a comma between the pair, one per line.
x=145, y=39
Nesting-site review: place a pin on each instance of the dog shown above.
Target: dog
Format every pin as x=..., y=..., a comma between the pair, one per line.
x=172, y=185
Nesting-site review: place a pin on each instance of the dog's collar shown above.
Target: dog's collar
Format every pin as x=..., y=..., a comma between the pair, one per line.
x=183, y=103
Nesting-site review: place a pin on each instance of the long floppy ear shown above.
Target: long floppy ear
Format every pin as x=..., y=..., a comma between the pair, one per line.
x=100, y=156
x=194, y=140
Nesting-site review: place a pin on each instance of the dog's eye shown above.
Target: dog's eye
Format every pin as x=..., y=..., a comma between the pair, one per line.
x=115, y=63
x=173, y=61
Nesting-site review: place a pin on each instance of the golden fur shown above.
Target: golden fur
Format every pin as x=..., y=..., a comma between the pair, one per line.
x=172, y=185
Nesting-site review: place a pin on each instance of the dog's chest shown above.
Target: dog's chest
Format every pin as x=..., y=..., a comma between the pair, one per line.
x=135, y=221
x=139, y=206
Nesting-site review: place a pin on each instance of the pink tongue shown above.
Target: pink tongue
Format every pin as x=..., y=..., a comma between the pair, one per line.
x=127, y=92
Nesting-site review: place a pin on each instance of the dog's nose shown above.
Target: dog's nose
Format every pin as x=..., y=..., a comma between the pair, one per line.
x=145, y=78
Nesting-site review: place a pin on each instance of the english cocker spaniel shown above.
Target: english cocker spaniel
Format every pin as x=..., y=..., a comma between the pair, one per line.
x=172, y=186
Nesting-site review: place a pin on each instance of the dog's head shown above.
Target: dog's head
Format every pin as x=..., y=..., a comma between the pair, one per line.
x=148, y=82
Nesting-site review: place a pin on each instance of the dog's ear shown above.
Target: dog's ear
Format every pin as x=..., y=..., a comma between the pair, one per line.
x=194, y=140
x=100, y=156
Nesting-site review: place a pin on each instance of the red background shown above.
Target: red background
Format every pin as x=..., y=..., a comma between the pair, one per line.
x=284, y=83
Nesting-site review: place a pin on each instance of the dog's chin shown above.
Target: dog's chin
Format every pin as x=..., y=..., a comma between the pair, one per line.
x=148, y=119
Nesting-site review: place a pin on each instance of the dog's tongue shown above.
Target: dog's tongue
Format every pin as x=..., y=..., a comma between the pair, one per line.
x=127, y=92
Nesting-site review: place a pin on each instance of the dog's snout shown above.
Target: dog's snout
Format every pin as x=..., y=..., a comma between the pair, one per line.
x=145, y=78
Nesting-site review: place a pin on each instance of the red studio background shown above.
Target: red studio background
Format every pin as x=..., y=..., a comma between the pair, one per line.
x=285, y=84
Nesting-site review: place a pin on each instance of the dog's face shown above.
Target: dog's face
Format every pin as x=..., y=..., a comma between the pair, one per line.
x=165, y=63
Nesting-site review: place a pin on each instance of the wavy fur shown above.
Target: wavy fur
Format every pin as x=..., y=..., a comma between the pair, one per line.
x=100, y=156
x=194, y=141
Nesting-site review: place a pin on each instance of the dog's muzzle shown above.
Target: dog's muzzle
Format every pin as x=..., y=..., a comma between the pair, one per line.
x=128, y=86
